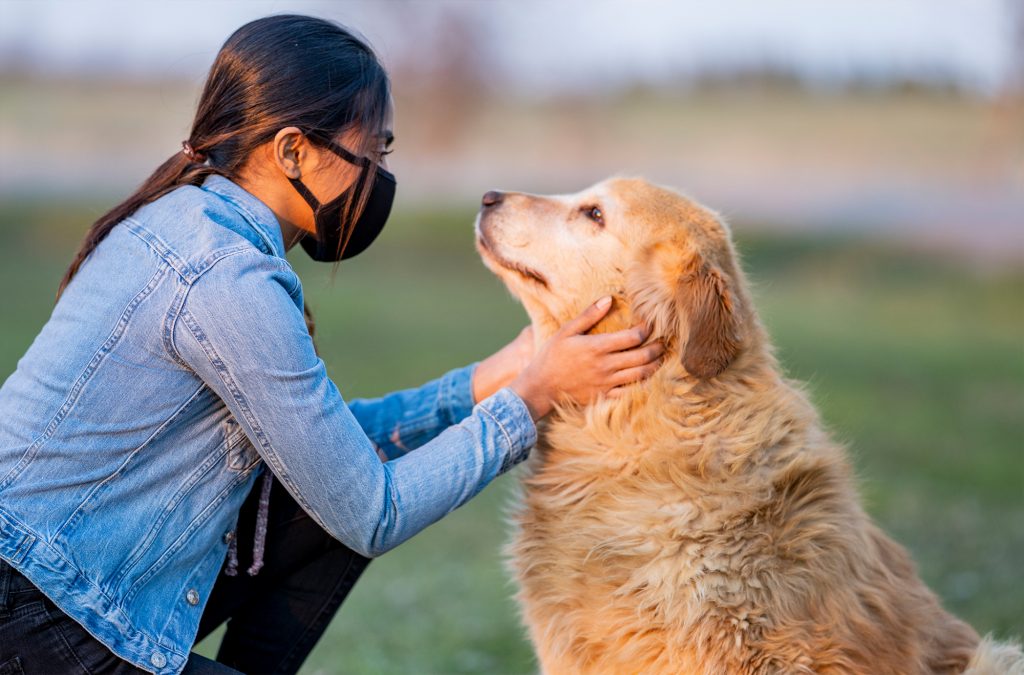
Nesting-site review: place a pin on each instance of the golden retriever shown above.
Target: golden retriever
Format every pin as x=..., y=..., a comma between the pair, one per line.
x=703, y=522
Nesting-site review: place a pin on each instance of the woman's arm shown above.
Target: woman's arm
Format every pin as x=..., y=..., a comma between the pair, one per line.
x=241, y=329
x=405, y=420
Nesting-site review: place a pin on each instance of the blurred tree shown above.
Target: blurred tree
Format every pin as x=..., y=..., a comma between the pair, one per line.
x=443, y=80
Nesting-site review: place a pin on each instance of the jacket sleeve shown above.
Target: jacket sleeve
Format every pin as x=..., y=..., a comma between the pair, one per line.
x=241, y=330
x=404, y=420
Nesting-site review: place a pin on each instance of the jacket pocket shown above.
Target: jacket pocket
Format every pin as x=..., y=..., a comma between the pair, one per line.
x=241, y=455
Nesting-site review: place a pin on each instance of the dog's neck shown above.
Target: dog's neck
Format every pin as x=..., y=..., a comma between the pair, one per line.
x=619, y=317
x=714, y=426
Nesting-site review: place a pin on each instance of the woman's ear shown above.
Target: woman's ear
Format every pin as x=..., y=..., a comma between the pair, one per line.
x=707, y=318
x=288, y=151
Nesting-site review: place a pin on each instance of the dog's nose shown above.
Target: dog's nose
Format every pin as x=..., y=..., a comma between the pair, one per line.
x=493, y=198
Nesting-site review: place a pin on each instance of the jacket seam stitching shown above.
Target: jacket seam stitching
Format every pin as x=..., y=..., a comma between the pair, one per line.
x=84, y=377
x=170, y=322
x=152, y=241
x=123, y=570
x=241, y=249
x=188, y=273
x=56, y=551
x=508, y=439
x=201, y=518
x=253, y=220
x=100, y=485
x=180, y=310
x=269, y=456
x=444, y=402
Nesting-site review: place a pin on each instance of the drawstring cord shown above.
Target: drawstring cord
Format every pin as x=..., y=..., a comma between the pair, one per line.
x=260, y=538
x=232, y=568
x=261, y=524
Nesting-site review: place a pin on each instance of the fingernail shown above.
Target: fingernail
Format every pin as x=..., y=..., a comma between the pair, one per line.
x=604, y=302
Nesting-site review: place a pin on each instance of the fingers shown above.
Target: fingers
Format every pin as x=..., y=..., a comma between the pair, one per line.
x=635, y=374
x=587, y=318
x=620, y=340
x=636, y=357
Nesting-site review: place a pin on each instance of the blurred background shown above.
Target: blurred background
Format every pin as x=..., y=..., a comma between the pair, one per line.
x=869, y=156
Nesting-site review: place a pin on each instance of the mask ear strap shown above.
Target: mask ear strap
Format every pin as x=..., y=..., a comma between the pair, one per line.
x=313, y=202
x=348, y=156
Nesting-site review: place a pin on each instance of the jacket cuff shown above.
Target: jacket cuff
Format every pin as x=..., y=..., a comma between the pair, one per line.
x=519, y=430
x=457, y=393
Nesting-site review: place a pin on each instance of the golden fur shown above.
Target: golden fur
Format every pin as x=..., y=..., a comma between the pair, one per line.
x=704, y=522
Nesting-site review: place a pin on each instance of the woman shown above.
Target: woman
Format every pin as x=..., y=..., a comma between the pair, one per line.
x=177, y=366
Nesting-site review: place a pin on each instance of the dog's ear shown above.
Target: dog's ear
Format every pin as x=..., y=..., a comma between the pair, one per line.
x=707, y=317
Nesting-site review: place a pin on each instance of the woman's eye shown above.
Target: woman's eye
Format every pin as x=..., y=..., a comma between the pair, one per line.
x=595, y=214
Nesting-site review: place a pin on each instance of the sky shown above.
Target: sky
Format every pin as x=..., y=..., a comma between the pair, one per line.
x=550, y=46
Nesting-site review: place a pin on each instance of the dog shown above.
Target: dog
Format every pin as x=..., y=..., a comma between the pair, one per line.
x=703, y=521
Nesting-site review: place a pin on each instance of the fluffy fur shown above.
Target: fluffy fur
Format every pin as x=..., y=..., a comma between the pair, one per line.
x=704, y=522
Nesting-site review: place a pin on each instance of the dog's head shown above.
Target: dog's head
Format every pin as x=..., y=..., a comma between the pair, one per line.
x=667, y=261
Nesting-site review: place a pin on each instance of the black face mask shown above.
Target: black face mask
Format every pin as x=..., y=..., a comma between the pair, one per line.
x=330, y=228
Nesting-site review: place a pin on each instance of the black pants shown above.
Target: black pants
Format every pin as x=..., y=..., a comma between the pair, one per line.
x=274, y=619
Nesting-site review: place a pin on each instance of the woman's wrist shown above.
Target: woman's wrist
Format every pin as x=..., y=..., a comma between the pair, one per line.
x=488, y=377
x=537, y=400
x=502, y=367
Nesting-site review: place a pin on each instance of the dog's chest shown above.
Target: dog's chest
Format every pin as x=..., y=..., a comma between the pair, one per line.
x=608, y=567
x=613, y=528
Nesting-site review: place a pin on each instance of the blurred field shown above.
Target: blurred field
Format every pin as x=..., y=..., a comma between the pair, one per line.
x=916, y=362
x=939, y=169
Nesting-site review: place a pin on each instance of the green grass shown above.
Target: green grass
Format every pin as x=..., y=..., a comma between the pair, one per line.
x=916, y=363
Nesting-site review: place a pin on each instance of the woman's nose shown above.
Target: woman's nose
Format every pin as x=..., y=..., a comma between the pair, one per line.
x=492, y=198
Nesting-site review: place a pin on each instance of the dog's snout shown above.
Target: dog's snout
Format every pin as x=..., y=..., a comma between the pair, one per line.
x=492, y=198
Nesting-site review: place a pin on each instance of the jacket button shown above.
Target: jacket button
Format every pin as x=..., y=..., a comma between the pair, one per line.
x=158, y=660
x=192, y=598
x=228, y=536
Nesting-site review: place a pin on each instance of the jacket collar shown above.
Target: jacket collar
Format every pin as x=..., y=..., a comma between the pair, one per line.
x=257, y=214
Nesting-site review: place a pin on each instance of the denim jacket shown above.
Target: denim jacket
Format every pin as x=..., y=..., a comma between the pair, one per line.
x=174, y=368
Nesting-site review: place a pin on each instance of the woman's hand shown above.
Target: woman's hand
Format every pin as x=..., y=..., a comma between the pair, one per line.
x=502, y=367
x=571, y=365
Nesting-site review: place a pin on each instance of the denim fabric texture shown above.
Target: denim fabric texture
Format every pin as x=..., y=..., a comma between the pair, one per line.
x=274, y=619
x=37, y=638
x=177, y=366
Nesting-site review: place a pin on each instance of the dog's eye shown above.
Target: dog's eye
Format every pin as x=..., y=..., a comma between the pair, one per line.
x=595, y=214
